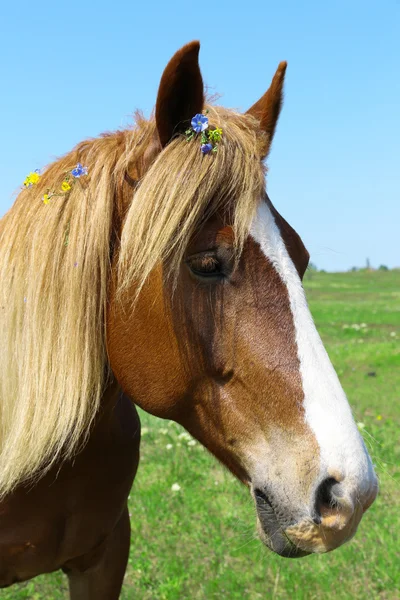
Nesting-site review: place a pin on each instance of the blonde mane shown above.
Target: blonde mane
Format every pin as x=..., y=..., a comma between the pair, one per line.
x=55, y=268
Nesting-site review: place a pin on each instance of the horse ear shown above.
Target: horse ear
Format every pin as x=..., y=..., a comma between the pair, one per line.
x=268, y=107
x=181, y=93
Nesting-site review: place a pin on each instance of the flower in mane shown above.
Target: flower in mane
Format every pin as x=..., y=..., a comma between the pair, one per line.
x=199, y=123
x=210, y=138
x=66, y=185
x=32, y=178
x=206, y=148
x=79, y=171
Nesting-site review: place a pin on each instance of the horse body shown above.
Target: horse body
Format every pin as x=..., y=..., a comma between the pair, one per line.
x=172, y=270
x=75, y=518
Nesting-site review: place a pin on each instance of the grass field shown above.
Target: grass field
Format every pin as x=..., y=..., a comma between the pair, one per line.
x=198, y=543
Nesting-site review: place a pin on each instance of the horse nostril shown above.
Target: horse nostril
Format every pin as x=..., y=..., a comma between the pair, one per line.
x=326, y=497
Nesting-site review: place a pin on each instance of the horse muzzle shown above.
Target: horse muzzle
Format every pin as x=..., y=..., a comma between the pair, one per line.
x=271, y=531
x=330, y=521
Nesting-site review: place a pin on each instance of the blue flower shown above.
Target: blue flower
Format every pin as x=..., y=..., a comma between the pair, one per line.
x=199, y=123
x=206, y=148
x=79, y=170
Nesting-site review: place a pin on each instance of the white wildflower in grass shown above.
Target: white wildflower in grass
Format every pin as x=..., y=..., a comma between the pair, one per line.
x=163, y=431
x=145, y=430
x=192, y=443
x=392, y=334
x=360, y=425
x=175, y=487
x=169, y=446
x=357, y=327
x=184, y=436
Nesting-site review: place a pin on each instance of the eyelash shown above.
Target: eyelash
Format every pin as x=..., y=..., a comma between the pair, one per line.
x=205, y=265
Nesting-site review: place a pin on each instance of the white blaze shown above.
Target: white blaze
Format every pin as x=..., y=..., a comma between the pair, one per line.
x=327, y=411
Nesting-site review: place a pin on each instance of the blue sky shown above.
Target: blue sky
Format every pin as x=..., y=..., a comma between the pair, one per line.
x=71, y=71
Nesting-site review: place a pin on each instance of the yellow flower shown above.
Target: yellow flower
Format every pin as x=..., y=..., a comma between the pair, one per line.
x=65, y=186
x=215, y=135
x=379, y=418
x=46, y=199
x=34, y=177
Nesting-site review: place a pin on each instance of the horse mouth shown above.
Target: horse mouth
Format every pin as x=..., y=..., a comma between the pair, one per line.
x=270, y=530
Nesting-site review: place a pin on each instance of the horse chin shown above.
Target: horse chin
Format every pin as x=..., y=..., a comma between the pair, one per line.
x=274, y=537
x=276, y=540
x=271, y=532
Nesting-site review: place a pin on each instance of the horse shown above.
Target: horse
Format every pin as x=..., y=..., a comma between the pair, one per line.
x=148, y=267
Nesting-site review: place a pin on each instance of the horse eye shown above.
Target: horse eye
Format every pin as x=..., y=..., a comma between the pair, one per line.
x=205, y=265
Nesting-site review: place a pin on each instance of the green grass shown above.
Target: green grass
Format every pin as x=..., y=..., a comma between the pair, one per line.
x=199, y=543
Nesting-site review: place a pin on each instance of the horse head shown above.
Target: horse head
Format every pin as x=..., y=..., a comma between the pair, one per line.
x=208, y=323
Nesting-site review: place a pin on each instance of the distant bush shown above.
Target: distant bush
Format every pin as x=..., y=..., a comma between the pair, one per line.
x=310, y=271
x=383, y=268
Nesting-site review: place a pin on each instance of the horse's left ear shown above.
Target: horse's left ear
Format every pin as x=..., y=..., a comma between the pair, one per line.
x=181, y=93
x=268, y=107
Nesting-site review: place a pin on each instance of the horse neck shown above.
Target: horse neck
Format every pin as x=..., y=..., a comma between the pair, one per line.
x=107, y=417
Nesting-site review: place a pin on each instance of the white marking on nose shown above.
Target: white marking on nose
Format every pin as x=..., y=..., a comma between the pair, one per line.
x=327, y=411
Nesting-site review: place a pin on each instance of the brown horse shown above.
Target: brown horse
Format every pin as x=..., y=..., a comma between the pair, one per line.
x=165, y=272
